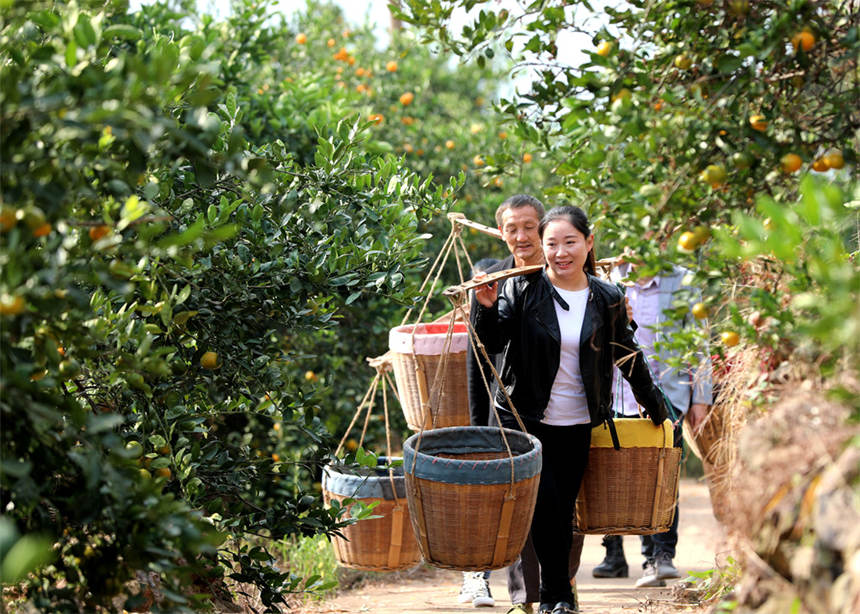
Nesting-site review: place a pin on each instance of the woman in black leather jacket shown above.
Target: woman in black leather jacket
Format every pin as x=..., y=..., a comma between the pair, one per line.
x=560, y=330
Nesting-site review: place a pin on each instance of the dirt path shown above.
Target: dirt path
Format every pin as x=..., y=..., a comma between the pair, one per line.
x=426, y=590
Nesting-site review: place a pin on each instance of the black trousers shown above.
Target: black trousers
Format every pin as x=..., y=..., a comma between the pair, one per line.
x=565, y=455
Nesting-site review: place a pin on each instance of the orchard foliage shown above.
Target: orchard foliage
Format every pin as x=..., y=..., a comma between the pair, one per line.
x=189, y=207
x=693, y=116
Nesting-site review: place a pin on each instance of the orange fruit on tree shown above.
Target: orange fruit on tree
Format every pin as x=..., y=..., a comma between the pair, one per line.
x=311, y=376
x=275, y=457
x=359, y=72
x=301, y=38
x=791, y=162
x=687, y=242
x=527, y=157
x=351, y=445
x=834, y=159
x=8, y=218
x=99, y=232
x=164, y=472
x=376, y=118
x=503, y=135
x=683, y=61
x=730, y=338
x=209, y=360
x=43, y=230
x=407, y=147
x=478, y=161
x=330, y=42
x=804, y=39
x=449, y=144
x=498, y=182
x=406, y=98
x=604, y=48
x=391, y=66
x=12, y=305
x=758, y=122
x=820, y=165
x=700, y=312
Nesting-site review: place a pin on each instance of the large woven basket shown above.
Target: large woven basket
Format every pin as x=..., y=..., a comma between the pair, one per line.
x=470, y=501
x=630, y=491
x=416, y=353
x=373, y=544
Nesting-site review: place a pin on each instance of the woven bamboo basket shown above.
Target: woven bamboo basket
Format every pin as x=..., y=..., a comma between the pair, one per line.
x=373, y=544
x=470, y=501
x=630, y=491
x=416, y=353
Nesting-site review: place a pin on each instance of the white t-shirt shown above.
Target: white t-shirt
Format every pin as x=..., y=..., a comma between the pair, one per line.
x=567, y=402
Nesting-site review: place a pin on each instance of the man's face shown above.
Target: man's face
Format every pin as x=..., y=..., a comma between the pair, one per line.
x=520, y=231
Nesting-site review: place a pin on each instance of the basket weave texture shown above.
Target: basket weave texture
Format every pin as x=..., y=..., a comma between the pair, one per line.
x=471, y=526
x=449, y=401
x=374, y=544
x=631, y=491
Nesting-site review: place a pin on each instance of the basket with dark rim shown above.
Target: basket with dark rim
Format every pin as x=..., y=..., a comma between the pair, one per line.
x=386, y=543
x=630, y=491
x=471, y=493
x=417, y=352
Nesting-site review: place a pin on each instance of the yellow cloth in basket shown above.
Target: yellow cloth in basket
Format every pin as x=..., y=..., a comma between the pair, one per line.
x=634, y=433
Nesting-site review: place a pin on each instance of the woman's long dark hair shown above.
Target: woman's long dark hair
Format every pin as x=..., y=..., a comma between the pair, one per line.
x=578, y=220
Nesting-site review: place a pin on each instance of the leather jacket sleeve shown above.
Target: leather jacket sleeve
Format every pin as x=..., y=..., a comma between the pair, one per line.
x=631, y=362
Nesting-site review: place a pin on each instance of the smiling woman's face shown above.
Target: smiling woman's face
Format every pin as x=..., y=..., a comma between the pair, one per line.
x=565, y=249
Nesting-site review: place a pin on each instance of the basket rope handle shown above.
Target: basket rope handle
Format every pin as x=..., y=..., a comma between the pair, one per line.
x=368, y=397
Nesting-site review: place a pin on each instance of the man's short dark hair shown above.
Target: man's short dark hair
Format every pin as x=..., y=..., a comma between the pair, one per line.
x=519, y=200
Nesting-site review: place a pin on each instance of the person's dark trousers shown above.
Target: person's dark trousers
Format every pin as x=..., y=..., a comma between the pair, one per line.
x=665, y=543
x=565, y=455
x=524, y=573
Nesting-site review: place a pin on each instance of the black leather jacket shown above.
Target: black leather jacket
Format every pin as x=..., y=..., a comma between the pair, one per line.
x=523, y=326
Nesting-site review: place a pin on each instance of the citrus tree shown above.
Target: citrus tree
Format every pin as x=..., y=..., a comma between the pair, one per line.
x=181, y=197
x=690, y=118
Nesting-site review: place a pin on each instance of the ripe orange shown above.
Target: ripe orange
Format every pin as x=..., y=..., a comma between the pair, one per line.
x=804, y=39
x=406, y=98
x=700, y=312
x=330, y=42
x=503, y=135
x=11, y=305
x=407, y=147
x=758, y=122
x=376, y=118
x=834, y=159
x=350, y=60
x=820, y=165
x=791, y=162
x=527, y=157
x=311, y=376
x=341, y=55
x=498, y=182
x=351, y=445
x=391, y=66
x=276, y=426
x=164, y=472
x=301, y=38
x=209, y=360
x=604, y=48
x=43, y=230
x=478, y=161
x=730, y=338
x=8, y=219
x=275, y=457
x=359, y=72
x=407, y=121
x=99, y=232
x=449, y=144
x=687, y=242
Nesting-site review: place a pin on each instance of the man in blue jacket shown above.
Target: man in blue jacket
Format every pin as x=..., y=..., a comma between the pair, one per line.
x=661, y=308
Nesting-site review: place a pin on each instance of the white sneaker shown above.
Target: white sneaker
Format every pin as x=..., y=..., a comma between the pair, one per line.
x=649, y=576
x=476, y=589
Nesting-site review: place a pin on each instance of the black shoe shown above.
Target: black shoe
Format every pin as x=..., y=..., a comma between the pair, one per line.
x=614, y=565
x=562, y=607
x=546, y=608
